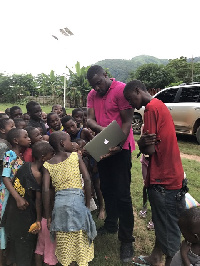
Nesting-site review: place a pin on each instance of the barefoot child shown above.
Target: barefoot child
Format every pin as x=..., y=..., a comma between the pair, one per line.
x=72, y=223
x=12, y=161
x=189, y=254
x=6, y=124
x=18, y=220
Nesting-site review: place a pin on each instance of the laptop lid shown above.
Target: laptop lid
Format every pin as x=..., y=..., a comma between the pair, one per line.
x=109, y=137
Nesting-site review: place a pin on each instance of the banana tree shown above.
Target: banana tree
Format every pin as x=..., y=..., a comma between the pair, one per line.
x=78, y=86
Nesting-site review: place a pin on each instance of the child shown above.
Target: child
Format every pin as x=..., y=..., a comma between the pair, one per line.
x=35, y=136
x=189, y=254
x=15, y=112
x=5, y=125
x=72, y=129
x=26, y=118
x=7, y=111
x=17, y=221
x=54, y=123
x=4, y=115
x=44, y=119
x=57, y=108
x=72, y=222
x=19, y=123
x=64, y=111
x=145, y=161
x=77, y=114
x=45, y=248
x=84, y=109
x=35, y=112
x=165, y=175
x=12, y=161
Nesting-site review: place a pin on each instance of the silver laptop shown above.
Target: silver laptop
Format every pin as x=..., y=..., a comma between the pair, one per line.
x=109, y=137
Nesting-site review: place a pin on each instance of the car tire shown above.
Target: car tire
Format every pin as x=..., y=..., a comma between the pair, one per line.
x=198, y=134
x=137, y=124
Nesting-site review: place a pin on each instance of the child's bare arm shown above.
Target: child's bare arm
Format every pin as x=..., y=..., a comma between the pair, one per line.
x=87, y=181
x=185, y=247
x=46, y=194
x=21, y=202
x=38, y=205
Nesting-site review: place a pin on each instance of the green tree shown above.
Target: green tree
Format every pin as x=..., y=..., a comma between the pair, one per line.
x=153, y=76
x=78, y=86
x=14, y=88
x=180, y=69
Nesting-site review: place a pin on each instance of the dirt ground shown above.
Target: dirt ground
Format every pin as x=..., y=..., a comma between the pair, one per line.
x=190, y=157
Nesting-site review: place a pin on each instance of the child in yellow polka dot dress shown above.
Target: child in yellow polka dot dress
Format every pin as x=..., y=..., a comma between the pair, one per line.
x=70, y=223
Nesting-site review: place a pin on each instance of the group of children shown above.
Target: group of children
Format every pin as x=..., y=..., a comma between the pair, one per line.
x=46, y=186
x=47, y=183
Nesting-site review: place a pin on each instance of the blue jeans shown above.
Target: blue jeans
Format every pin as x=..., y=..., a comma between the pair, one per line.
x=115, y=180
x=166, y=210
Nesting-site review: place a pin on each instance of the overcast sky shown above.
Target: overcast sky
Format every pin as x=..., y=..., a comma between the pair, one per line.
x=106, y=29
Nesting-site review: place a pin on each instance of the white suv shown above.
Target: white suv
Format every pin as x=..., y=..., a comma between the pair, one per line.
x=183, y=102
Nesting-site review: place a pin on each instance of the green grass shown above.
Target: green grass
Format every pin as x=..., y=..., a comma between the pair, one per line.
x=107, y=247
x=46, y=108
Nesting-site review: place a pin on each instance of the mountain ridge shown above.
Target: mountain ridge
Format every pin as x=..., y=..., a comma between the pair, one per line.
x=120, y=68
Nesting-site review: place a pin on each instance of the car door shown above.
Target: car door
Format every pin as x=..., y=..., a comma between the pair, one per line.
x=169, y=97
x=185, y=111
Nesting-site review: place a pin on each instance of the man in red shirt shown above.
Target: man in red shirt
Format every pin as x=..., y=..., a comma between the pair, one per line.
x=106, y=103
x=165, y=173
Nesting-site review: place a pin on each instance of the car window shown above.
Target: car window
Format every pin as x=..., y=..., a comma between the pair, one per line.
x=190, y=94
x=167, y=96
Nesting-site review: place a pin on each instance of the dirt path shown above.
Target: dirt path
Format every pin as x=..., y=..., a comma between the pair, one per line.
x=190, y=157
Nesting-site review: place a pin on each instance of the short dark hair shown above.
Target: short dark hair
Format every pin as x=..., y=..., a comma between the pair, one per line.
x=12, y=134
x=66, y=118
x=64, y=111
x=188, y=217
x=57, y=104
x=41, y=148
x=13, y=109
x=93, y=70
x=17, y=121
x=76, y=110
x=134, y=84
x=49, y=116
x=29, y=130
x=55, y=139
x=4, y=114
x=30, y=105
x=3, y=122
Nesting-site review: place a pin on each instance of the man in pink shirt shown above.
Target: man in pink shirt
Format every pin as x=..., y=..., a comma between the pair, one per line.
x=106, y=103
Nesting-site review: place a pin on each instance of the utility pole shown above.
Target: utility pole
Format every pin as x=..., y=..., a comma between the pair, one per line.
x=66, y=32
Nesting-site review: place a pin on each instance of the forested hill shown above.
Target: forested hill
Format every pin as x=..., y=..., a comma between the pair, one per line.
x=120, y=68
